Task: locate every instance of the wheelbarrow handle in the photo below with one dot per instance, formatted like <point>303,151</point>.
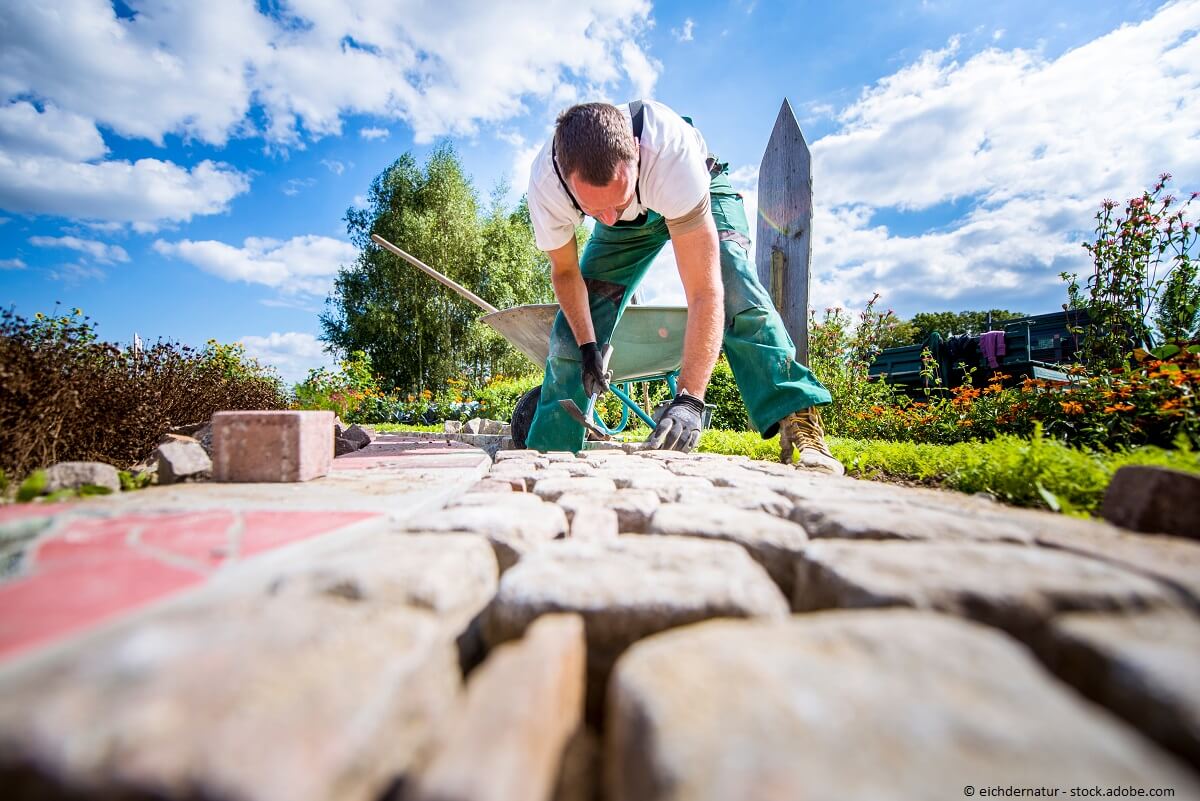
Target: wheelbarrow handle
<point>435,275</point>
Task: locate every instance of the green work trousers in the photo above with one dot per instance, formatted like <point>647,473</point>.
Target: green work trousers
<point>760,352</point>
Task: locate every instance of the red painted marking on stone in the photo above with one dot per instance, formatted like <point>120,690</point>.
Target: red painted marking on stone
<point>201,536</point>
<point>91,572</point>
<point>267,530</point>
<point>74,597</point>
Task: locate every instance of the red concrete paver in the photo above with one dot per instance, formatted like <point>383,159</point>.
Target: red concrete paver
<point>274,446</point>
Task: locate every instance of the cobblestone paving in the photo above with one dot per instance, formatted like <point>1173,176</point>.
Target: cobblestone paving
<point>630,626</point>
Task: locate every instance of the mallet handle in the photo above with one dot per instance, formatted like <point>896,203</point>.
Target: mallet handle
<point>435,275</point>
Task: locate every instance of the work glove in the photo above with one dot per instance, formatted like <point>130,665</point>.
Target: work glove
<point>679,427</point>
<point>595,377</point>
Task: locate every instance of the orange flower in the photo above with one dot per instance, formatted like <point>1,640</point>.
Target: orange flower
<point>1118,407</point>
<point>1174,403</point>
<point>1071,407</point>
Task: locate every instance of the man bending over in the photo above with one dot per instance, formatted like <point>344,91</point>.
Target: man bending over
<point>645,175</point>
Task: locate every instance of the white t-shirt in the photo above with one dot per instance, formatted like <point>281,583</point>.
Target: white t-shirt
<point>672,178</point>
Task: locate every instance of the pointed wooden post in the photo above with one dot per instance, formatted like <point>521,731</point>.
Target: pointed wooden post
<point>785,225</point>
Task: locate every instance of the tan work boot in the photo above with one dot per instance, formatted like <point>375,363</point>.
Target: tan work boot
<point>802,431</point>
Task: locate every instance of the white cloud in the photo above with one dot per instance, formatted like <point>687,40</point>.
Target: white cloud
<point>74,273</point>
<point>292,353</point>
<point>359,201</point>
<point>1028,146</point>
<point>222,69</point>
<point>196,69</point>
<point>335,167</point>
<point>374,133</point>
<point>146,193</point>
<point>51,132</point>
<point>522,165</point>
<point>12,264</point>
<point>301,265</point>
<point>101,252</point>
<point>684,33</point>
<point>641,69</point>
<point>295,186</point>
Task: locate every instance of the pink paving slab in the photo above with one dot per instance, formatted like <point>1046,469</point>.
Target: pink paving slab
<point>95,568</point>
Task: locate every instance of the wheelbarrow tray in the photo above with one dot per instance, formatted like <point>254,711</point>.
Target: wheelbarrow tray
<point>647,343</point>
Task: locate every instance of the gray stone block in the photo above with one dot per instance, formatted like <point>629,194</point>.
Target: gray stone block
<point>1013,587</point>
<point>73,475</point>
<point>772,542</point>
<point>181,460</point>
<point>1154,499</point>
<point>857,706</point>
<point>1142,667</point>
<point>628,589</point>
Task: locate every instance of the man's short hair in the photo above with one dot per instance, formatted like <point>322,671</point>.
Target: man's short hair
<point>591,140</point>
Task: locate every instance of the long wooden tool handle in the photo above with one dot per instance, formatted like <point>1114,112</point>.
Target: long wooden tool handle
<point>435,275</point>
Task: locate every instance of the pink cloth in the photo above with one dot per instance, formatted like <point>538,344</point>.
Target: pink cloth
<point>991,344</point>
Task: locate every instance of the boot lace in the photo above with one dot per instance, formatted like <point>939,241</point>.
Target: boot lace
<point>804,428</point>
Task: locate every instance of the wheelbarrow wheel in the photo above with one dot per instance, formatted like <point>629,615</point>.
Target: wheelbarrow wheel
<point>522,418</point>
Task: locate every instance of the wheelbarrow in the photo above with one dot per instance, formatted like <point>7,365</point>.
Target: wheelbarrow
<point>647,346</point>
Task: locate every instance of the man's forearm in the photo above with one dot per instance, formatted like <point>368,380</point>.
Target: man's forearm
<point>701,342</point>
<point>571,292</point>
<point>698,257</point>
<point>572,296</point>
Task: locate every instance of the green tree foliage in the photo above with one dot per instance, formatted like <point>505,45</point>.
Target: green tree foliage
<point>950,323</point>
<point>1178,314</point>
<point>417,333</point>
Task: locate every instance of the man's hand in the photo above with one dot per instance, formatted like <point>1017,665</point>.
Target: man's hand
<point>595,376</point>
<point>679,427</point>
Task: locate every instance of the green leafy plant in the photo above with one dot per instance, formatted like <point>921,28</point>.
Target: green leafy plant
<point>33,486</point>
<point>1143,260</point>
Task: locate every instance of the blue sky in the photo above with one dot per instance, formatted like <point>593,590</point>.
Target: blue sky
<point>182,170</point>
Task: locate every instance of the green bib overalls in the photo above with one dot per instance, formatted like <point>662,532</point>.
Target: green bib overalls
<point>760,352</point>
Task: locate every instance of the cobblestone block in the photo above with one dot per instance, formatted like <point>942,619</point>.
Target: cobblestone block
<point>492,500</point>
<point>559,456</point>
<point>180,460</point>
<point>73,475</point>
<point>633,508</point>
<point>1013,587</point>
<point>1143,667</point>
<point>667,486</point>
<point>494,485</point>
<point>551,489</point>
<point>753,498</point>
<point>272,446</point>
<point>815,707</point>
<point>453,576</point>
<point>526,455</point>
<point>628,589</point>
<point>840,518</point>
<point>774,543</point>
<point>1172,560</point>
<point>594,522</point>
<point>1154,499</point>
<point>181,706</point>
<point>511,535</point>
<point>523,705</point>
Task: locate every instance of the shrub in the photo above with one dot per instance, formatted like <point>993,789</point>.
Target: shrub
<point>64,395</point>
<point>1151,402</point>
<point>840,354</point>
<point>1142,260</point>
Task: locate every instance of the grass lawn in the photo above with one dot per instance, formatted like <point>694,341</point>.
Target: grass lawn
<point>1034,472</point>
